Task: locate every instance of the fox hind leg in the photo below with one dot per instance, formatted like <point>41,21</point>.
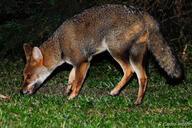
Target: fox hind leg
<point>136,61</point>
<point>142,78</point>
<point>80,73</point>
<point>128,72</point>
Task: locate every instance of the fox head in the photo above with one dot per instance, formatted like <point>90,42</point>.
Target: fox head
<point>34,72</point>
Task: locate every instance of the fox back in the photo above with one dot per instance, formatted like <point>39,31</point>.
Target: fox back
<point>125,32</point>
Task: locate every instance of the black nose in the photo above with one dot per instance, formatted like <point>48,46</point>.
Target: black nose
<point>21,91</point>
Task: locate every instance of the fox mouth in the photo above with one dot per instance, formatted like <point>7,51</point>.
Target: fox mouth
<point>30,90</point>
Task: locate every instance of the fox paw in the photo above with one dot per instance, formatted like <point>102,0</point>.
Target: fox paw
<point>137,102</point>
<point>114,92</point>
<point>72,95</point>
<point>68,91</point>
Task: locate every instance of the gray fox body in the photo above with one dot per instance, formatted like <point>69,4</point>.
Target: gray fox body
<point>125,32</point>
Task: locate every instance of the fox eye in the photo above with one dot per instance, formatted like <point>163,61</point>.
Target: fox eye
<point>28,76</point>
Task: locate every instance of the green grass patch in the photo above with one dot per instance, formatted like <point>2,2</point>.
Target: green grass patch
<point>163,104</point>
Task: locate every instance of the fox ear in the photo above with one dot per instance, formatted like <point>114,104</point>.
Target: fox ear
<point>37,55</point>
<point>28,50</point>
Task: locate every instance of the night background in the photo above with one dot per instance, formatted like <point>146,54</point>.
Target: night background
<point>33,21</point>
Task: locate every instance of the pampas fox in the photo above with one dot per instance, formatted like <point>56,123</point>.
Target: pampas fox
<point>125,32</point>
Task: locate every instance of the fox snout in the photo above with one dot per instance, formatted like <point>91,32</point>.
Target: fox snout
<point>29,89</point>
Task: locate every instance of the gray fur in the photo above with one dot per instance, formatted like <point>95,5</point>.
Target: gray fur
<point>109,22</point>
<point>160,49</point>
<point>164,55</point>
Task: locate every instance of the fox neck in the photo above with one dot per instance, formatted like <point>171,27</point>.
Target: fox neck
<point>52,54</point>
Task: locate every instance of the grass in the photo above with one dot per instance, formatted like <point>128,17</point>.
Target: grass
<point>163,104</point>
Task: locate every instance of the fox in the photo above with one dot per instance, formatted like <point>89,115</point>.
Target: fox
<point>126,32</point>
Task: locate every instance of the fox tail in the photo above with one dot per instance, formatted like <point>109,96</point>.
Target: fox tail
<point>160,49</point>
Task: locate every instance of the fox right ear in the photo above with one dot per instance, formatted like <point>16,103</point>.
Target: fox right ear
<point>28,50</point>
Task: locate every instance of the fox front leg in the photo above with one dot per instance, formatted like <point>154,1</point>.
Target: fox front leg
<point>70,81</point>
<point>80,74</point>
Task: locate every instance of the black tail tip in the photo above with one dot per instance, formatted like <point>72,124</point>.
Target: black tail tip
<point>177,76</point>
<point>179,72</point>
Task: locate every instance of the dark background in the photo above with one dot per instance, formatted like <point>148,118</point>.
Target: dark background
<point>33,21</point>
